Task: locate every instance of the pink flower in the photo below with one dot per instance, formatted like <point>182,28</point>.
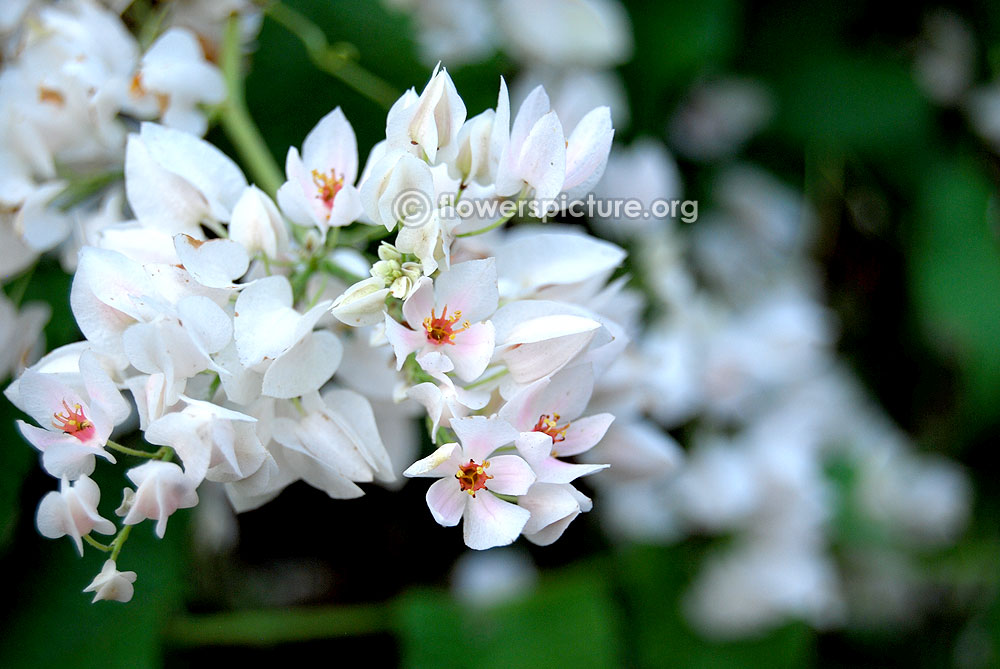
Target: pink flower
<point>471,476</point>
<point>445,320</point>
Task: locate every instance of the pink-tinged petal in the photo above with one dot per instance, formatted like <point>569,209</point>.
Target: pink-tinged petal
<point>42,396</point>
<point>523,409</point>
<point>511,475</point>
<point>446,501</point>
<point>548,503</point>
<point>535,447</point>
<point>472,350</point>
<point>557,471</point>
<point>469,287</point>
<point>404,341</point>
<point>418,305</point>
<point>490,521</point>
<point>480,436</point>
<point>332,144</point>
<point>584,433</point>
<point>442,462</point>
<point>566,394</point>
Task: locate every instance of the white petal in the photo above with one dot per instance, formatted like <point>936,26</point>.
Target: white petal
<point>305,367</point>
<point>447,501</point>
<point>469,287</point>
<point>480,436</point>
<point>215,263</point>
<point>489,522</point>
<point>511,475</point>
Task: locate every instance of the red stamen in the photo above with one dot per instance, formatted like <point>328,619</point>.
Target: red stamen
<point>74,422</point>
<point>442,330</point>
<point>472,477</point>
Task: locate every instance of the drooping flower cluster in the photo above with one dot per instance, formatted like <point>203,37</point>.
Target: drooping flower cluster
<point>223,315</point>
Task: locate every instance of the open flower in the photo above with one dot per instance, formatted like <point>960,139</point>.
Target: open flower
<point>445,320</point>
<point>74,428</point>
<point>470,474</point>
<point>320,188</point>
<point>546,413</point>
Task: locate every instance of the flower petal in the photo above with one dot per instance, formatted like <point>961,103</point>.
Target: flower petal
<point>490,521</point>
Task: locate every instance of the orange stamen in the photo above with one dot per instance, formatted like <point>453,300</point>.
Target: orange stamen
<point>441,330</point>
<point>472,477</point>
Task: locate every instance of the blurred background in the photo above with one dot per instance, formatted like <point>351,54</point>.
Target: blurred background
<point>836,308</point>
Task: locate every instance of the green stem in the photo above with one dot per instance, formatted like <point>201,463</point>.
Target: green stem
<point>236,120</point>
<point>496,224</point>
<point>132,451</point>
<point>273,626</point>
<point>120,539</point>
<point>333,269</point>
<point>492,377</point>
<point>331,60</point>
<point>96,544</point>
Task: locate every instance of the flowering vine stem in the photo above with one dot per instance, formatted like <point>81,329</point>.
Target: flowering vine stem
<point>236,120</point>
<point>336,60</point>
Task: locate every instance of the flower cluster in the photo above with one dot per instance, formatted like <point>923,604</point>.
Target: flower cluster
<point>223,316</point>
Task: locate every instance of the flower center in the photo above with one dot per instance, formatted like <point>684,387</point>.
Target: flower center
<point>472,477</point>
<point>549,424</point>
<point>74,422</point>
<point>327,187</point>
<point>441,330</point>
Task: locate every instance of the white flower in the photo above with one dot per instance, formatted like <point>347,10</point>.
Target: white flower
<point>469,474</point>
<point>211,441</point>
<point>75,429</point>
<point>174,180</point>
<point>427,123</point>
<point>397,188</point>
<point>276,340</point>
<point>161,489</point>
<point>72,511</point>
<point>257,225</point>
<point>335,443</point>
<point>320,189</point>
<point>174,79</point>
<point>111,584</point>
<point>451,320</point>
<point>546,413</point>
<point>475,153</point>
<point>595,33</point>
<point>718,117</point>
<point>535,155</point>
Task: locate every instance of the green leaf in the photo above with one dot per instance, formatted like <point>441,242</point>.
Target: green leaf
<point>954,275</point>
<point>568,621</point>
<point>654,580</point>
